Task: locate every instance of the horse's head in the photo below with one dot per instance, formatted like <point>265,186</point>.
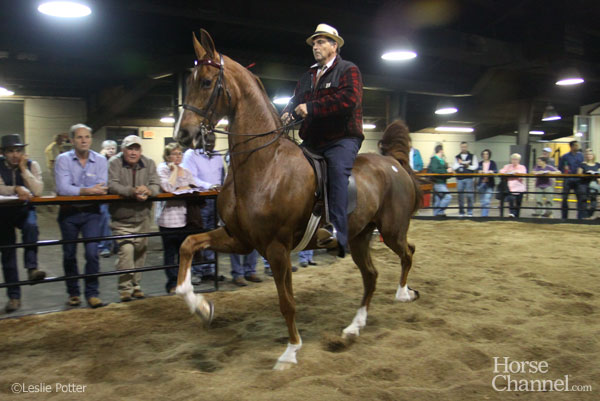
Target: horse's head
<point>207,99</point>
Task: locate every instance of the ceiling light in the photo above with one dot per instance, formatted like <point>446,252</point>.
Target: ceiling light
<point>454,129</point>
<point>64,9</point>
<point>569,81</point>
<point>550,114</point>
<point>369,126</point>
<point>5,92</point>
<point>167,120</point>
<point>579,134</point>
<point>399,55</point>
<point>223,122</point>
<point>282,100</point>
<point>536,132</point>
<point>446,110</point>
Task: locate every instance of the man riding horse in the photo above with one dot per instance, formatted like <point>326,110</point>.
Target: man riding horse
<point>329,99</point>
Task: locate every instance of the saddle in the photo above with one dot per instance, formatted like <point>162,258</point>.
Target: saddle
<point>321,207</point>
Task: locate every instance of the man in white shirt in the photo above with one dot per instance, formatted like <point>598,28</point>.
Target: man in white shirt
<point>465,163</point>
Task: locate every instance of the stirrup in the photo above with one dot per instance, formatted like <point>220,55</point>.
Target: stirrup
<point>327,237</point>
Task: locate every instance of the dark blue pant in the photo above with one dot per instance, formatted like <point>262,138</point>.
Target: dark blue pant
<point>340,156</point>
<point>171,244</point>
<point>243,265</point>
<point>514,202</point>
<point>568,185</point>
<point>105,230</point>
<point>88,224</point>
<point>26,220</point>
<point>208,223</point>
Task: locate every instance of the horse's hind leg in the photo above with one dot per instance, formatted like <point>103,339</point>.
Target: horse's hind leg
<point>361,255</point>
<point>395,238</point>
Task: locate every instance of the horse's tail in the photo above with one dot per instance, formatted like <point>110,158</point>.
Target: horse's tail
<point>396,143</point>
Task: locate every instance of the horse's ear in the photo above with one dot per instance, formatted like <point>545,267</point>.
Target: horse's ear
<point>200,52</point>
<point>207,43</point>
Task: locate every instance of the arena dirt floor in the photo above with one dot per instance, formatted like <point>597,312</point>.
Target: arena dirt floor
<point>496,289</point>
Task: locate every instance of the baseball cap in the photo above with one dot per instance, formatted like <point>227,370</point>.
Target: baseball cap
<point>549,150</point>
<point>131,140</point>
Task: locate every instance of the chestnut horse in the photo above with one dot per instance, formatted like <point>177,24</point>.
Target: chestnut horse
<point>268,196</point>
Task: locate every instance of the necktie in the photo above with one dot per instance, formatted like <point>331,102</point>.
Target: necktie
<point>320,73</point>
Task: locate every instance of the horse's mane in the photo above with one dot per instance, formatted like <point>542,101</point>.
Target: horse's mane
<point>395,143</point>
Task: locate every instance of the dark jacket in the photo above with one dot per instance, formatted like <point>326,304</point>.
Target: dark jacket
<point>491,182</point>
<point>334,106</point>
<point>437,166</point>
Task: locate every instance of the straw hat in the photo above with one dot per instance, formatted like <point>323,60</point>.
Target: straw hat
<point>328,31</point>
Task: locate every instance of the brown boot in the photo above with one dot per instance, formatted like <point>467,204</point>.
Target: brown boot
<point>35,274</point>
<point>12,305</point>
<point>139,294</point>
<point>240,282</point>
<point>95,302</point>
<point>74,301</point>
<point>253,277</point>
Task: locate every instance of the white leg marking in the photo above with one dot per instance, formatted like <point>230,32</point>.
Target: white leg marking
<point>359,321</point>
<point>288,358</point>
<point>405,294</point>
<point>195,302</point>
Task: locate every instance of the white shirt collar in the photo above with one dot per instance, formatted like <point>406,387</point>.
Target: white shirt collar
<point>327,66</point>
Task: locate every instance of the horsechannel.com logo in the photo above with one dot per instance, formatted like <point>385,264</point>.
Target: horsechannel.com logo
<point>508,376</point>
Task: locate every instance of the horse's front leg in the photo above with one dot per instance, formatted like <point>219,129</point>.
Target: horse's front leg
<point>217,240</point>
<point>279,259</point>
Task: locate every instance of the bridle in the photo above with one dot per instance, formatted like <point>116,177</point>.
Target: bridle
<point>209,111</point>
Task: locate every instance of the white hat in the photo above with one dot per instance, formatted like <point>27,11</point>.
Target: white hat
<point>131,140</point>
<point>326,30</point>
<point>549,150</point>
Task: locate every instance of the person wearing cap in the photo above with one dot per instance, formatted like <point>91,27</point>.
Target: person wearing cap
<point>52,151</point>
<point>22,177</point>
<point>81,172</point>
<point>328,97</point>
<point>131,175</point>
<point>547,153</point>
<point>106,247</point>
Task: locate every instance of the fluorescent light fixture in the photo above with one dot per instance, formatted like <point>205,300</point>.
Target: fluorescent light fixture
<point>446,110</point>
<point>282,100</point>
<point>454,129</point>
<point>369,126</point>
<point>550,114</point>
<point>536,132</point>
<point>222,122</point>
<point>5,92</point>
<point>167,120</point>
<point>399,55</point>
<point>579,134</point>
<point>64,9</point>
<point>570,81</point>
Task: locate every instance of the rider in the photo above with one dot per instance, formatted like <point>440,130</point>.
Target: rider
<point>329,99</point>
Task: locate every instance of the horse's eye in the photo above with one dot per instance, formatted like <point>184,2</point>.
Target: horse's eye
<point>206,83</point>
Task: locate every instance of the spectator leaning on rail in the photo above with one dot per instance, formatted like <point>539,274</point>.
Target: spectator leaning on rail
<point>414,158</point>
<point>544,186</point>
<point>329,99</point>
<point>171,216</point>
<point>516,185</point>
<point>441,198</point>
<point>547,152</point>
<point>465,163</point>
<point>131,175</point>
<point>21,177</point>
<point>568,164</point>
<point>53,150</point>
<point>81,171</point>
<point>106,247</point>
<point>486,184</point>
<point>589,187</point>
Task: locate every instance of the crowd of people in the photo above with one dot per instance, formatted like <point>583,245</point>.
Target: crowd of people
<point>512,189</point>
<point>80,171</point>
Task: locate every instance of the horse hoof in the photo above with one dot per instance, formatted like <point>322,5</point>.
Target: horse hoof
<point>207,315</point>
<point>352,333</point>
<point>406,294</point>
<point>283,365</point>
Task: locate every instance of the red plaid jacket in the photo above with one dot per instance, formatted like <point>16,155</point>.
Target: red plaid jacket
<point>334,107</point>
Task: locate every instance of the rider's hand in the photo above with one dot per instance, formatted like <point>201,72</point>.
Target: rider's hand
<point>301,110</point>
<point>286,118</point>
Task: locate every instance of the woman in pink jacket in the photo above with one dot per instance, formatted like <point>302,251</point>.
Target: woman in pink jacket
<point>516,185</point>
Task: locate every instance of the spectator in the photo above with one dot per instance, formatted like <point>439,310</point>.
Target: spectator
<point>106,247</point>
<point>244,267</point>
<point>171,216</point>
<point>547,152</point>
<point>208,169</point>
<point>52,151</point>
<point>442,197</point>
<point>544,186</point>
<point>569,164</point>
<point>486,184</point>
<point>516,185</point>
<point>465,163</point>
<point>589,187</point>
<point>22,177</point>
<point>81,171</point>
<point>414,158</point>
<point>306,257</point>
<point>131,175</point>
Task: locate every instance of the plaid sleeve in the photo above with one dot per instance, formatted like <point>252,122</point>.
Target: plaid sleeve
<point>343,101</point>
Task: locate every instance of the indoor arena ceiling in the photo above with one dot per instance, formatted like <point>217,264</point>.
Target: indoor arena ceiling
<point>497,60</point>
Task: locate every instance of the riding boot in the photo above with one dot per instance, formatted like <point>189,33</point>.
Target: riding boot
<point>327,237</point>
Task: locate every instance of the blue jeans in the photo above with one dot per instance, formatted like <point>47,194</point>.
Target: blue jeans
<point>243,268</point>
<point>208,223</point>
<point>441,199</point>
<point>171,244</point>
<point>340,156</point>
<point>73,222</point>
<point>514,200</point>
<point>105,229</point>
<point>25,219</point>
<point>568,185</point>
<point>486,197</point>
<point>462,186</point>
<point>305,256</point>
